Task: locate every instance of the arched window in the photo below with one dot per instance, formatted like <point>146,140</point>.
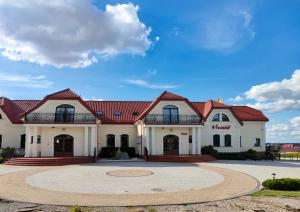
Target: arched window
<point>224,117</point>
<point>227,139</point>
<point>110,140</point>
<point>22,141</point>
<point>124,140</point>
<point>64,113</point>
<point>170,114</point>
<point>216,140</point>
<point>216,117</point>
<point>0,141</point>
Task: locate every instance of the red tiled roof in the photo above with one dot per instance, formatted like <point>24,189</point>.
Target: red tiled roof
<point>131,111</point>
<point>246,113</point>
<point>64,94</point>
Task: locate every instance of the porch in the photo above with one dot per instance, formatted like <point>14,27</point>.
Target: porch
<point>60,140</point>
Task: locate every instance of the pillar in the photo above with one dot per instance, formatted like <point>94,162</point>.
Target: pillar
<point>199,140</point>
<point>28,142</point>
<point>93,140</point>
<point>34,144</point>
<point>193,140</point>
<point>86,141</point>
<point>147,139</point>
<point>153,152</point>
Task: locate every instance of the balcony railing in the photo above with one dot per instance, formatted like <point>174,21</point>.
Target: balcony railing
<point>68,118</point>
<point>161,119</point>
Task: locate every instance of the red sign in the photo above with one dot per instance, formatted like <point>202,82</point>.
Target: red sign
<point>218,127</point>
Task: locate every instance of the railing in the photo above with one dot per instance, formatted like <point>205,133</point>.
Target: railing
<point>72,118</point>
<point>160,119</point>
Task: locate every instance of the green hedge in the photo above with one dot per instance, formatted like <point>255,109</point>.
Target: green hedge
<point>284,184</point>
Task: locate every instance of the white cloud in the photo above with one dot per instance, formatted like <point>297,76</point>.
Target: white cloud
<point>152,72</point>
<point>93,98</point>
<point>69,33</point>
<point>40,81</point>
<point>225,29</point>
<point>143,83</point>
<point>236,99</point>
<point>285,132</point>
<point>295,122</point>
<point>277,96</point>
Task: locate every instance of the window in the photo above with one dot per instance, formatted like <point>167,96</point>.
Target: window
<point>124,140</point>
<point>240,141</point>
<point>216,141</point>
<point>257,142</point>
<point>190,139</point>
<point>224,117</point>
<point>0,141</point>
<point>100,113</point>
<point>0,116</point>
<point>64,113</point>
<point>22,141</point>
<point>135,113</point>
<point>117,113</point>
<point>31,140</point>
<point>216,117</point>
<point>110,140</point>
<point>170,114</point>
<point>227,139</point>
<point>38,139</point>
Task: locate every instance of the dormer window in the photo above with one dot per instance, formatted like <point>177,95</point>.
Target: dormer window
<point>117,113</point>
<point>170,114</point>
<point>100,113</point>
<point>220,117</point>
<point>216,117</point>
<point>64,113</point>
<point>224,117</point>
<point>135,113</point>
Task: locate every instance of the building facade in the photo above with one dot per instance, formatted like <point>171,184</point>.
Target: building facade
<point>63,124</point>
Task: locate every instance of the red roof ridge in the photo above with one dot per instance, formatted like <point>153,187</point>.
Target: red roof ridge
<point>63,94</point>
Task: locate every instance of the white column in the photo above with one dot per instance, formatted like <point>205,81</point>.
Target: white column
<point>153,140</point>
<point>193,141</point>
<point>93,140</point>
<point>86,141</point>
<point>147,139</point>
<point>28,141</point>
<point>34,144</point>
<point>199,140</point>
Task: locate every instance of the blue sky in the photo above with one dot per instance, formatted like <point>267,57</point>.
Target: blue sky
<point>135,50</point>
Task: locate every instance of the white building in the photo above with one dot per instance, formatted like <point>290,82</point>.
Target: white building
<point>62,124</point>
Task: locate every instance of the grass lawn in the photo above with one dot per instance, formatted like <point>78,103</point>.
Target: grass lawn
<point>274,193</point>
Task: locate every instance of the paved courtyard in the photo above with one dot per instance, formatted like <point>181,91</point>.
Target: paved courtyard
<point>124,184</point>
<point>138,183</point>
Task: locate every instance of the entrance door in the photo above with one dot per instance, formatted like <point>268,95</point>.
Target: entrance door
<point>63,146</point>
<point>171,145</point>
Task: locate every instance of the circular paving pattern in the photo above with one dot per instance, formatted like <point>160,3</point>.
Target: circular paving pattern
<point>129,173</point>
<point>89,185</point>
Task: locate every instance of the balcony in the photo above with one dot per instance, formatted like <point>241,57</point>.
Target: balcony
<point>160,119</point>
<point>59,118</point>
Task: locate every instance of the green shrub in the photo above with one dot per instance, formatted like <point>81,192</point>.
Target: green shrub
<point>209,150</point>
<point>284,184</point>
<point>8,153</point>
<point>76,209</point>
<point>2,160</point>
<point>252,154</point>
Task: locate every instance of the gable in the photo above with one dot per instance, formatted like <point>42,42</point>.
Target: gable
<point>227,112</point>
<point>183,107</point>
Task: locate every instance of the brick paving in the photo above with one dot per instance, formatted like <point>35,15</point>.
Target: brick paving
<point>13,186</point>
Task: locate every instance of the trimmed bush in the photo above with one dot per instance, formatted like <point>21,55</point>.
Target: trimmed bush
<point>252,155</point>
<point>284,184</point>
<point>8,153</point>
<point>110,152</point>
<point>2,160</point>
<point>76,209</point>
<point>209,150</point>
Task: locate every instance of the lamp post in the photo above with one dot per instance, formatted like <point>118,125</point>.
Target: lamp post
<point>274,174</point>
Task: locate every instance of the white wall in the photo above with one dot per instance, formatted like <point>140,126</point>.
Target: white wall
<point>250,131</point>
<point>117,130</point>
<point>11,133</point>
<point>183,108</point>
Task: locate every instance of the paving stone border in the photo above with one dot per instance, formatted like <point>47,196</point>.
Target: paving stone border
<point>14,187</point>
